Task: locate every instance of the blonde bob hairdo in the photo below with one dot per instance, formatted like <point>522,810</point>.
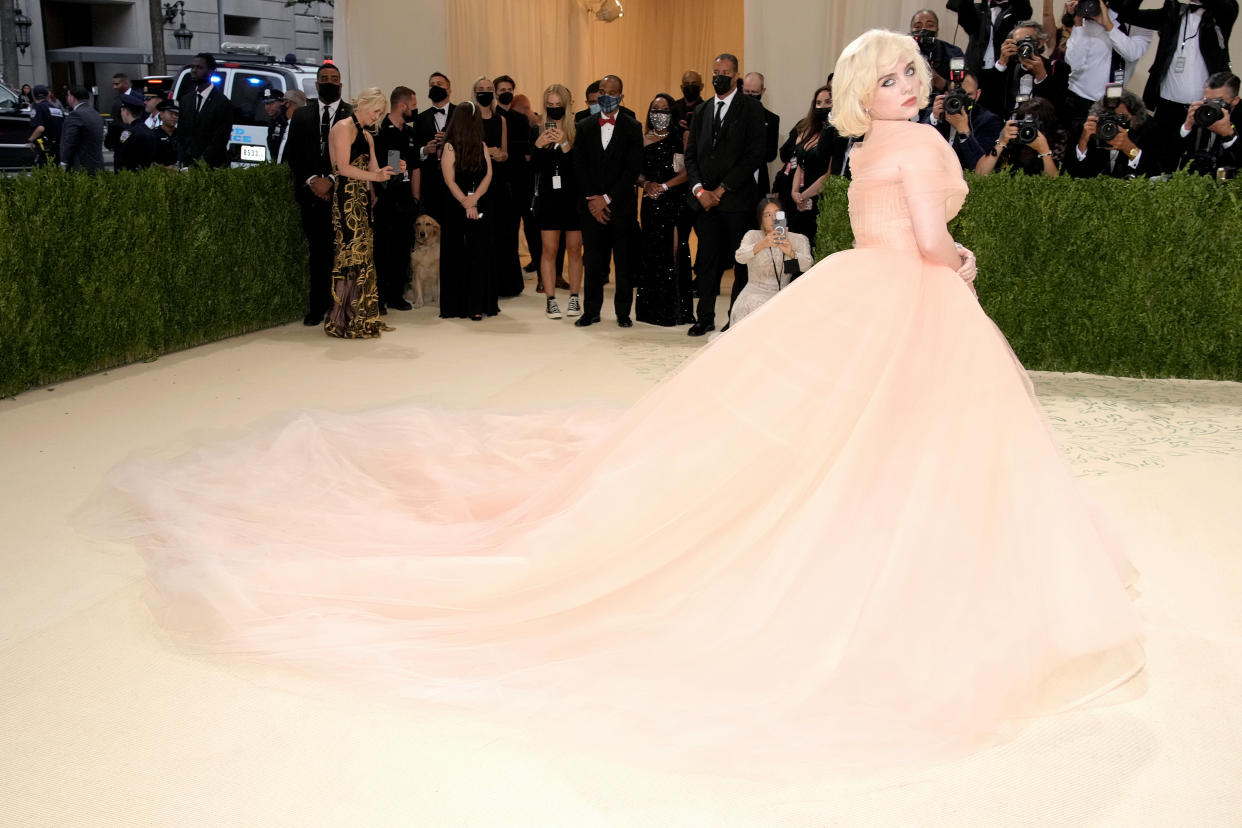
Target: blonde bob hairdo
<point>858,72</point>
<point>374,98</point>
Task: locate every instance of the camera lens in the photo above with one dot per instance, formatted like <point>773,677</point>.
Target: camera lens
<point>1208,114</point>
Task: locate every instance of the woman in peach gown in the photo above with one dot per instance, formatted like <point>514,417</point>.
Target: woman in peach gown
<point>840,537</point>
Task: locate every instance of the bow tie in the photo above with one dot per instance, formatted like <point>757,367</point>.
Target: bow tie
<point>440,111</point>
<point>607,119</point>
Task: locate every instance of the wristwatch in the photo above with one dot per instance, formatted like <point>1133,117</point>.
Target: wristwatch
<point>1134,153</point>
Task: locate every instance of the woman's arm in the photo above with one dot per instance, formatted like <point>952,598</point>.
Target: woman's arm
<point>448,167</point>
<point>503,153</point>
<point>922,181</point>
<point>802,251</point>
<point>487,177</point>
<point>339,141</point>
<point>795,190</point>
<point>816,187</point>
<point>753,242</point>
<point>679,168</point>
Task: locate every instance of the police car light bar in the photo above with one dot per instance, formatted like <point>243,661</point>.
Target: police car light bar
<point>246,48</point>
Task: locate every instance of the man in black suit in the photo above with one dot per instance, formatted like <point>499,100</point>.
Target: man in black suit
<point>725,148</point>
<point>925,28</point>
<point>82,137</point>
<point>608,157</point>
<point>691,98</point>
<point>754,85</point>
<point>431,125</point>
<point>592,105</point>
<point>1016,72</point>
<point>989,23</point>
<point>1194,43</point>
<point>972,132</point>
<point>306,150</point>
<point>1122,156</point>
<point>120,86</point>
<point>1205,149</point>
<point>206,117</point>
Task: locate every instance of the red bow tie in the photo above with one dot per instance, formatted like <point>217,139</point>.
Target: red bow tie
<point>605,119</point>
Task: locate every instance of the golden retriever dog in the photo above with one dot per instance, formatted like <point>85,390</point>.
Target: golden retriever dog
<point>424,288</point>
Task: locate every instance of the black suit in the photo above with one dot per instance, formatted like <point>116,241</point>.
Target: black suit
<point>771,146</point>
<point>1102,160</point>
<point>1000,88</point>
<point>976,19</point>
<point>433,191</point>
<point>611,172</point>
<point>81,140</point>
<point>308,157</point>
<point>1203,151</point>
<point>728,159</point>
<point>583,114</point>
<point>205,133</point>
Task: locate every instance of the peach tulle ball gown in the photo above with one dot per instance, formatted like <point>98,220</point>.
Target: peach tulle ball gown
<point>840,537</point>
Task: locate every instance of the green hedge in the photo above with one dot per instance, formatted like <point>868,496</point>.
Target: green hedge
<point>1129,278</point>
<point>105,270</point>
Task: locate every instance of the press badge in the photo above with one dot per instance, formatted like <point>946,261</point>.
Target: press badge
<point>556,182</point>
<point>1179,65</point>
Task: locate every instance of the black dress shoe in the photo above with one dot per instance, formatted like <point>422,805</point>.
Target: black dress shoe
<point>625,322</point>
<point>312,319</point>
<point>400,304</point>
<point>699,328</point>
<point>726,327</point>
<point>584,321</point>
<point>530,268</point>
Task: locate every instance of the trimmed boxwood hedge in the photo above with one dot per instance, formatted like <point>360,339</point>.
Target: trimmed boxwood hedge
<point>105,270</point>
<point>1130,278</point>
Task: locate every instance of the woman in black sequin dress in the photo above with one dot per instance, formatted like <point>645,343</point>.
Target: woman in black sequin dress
<point>664,286</point>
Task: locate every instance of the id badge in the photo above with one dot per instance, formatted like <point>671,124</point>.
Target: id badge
<point>556,182</point>
<point>1179,65</point>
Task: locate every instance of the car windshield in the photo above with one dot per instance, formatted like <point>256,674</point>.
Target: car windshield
<point>8,99</point>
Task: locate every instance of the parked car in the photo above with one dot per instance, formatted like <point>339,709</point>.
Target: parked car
<point>15,129</point>
<point>242,76</point>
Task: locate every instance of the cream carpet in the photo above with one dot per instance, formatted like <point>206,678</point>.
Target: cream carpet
<point>103,722</point>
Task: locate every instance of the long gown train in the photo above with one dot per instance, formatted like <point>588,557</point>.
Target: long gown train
<point>840,536</point>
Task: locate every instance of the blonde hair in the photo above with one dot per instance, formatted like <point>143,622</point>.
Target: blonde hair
<point>567,101</point>
<point>857,75</point>
<point>372,98</point>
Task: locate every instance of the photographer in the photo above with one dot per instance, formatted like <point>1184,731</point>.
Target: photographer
<point>1099,47</point>
<point>968,127</point>
<point>1209,136</point>
<point>925,29</point>
<point>989,23</point>
<point>1113,138</point>
<point>1023,145</point>
<point>1022,70</point>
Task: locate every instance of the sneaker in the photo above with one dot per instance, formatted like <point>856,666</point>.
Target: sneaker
<point>575,306</point>
<point>554,310</point>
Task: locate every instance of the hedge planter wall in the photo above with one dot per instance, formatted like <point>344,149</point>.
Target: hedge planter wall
<point>1130,278</point>
<point>100,271</point>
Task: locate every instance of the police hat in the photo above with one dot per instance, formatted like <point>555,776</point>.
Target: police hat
<point>132,98</point>
<point>166,105</point>
<point>155,93</point>
<point>40,91</point>
<point>271,95</point>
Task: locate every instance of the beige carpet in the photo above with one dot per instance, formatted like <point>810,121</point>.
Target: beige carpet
<point>102,722</point>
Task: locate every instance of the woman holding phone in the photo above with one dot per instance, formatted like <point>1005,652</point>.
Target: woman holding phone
<point>555,205</point>
<point>355,296</point>
<point>772,255</point>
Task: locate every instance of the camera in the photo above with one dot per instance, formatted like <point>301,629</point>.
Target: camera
<point>1209,112</point>
<point>1087,9</point>
<point>956,101</point>
<point>1028,48</point>
<point>925,39</point>
<point>1028,130</point>
<point>1110,125</point>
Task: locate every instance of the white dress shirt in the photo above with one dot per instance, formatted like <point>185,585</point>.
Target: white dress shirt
<point>989,52</point>
<point>1089,54</point>
<point>1187,85</point>
<point>727,100</point>
<point>332,108</point>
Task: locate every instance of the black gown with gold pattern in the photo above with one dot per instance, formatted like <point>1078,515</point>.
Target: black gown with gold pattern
<point>355,296</point>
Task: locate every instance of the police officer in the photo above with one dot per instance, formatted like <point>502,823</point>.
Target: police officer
<point>47,122</point>
<point>152,97</point>
<point>166,136</point>
<point>277,121</point>
<point>136,145</point>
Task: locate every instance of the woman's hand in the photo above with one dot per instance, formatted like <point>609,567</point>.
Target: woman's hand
<point>767,241</point>
<point>653,189</point>
<point>1009,133</point>
<point>470,202</point>
<point>472,212</point>
<point>383,174</point>
<point>785,246</point>
<point>968,271</point>
<point>1040,144</point>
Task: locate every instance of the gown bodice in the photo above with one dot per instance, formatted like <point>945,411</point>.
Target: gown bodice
<point>885,178</point>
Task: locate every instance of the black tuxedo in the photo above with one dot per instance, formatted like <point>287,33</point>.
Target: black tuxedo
<point>611,172</point>
<point>205,133</point>
<point>728,159</point>
<point>1203,151</point>
<point>1000,89</point>
<point>308,157</point>
<point>1218,19</point>
<point>976,19</point>
<point>583,114</point>
<point>1101,160</point>
<point>432,187</point>
<point>771,146</point>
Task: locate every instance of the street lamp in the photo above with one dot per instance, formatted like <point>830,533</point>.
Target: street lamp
<point>183,36</point>
<point>22,25</point>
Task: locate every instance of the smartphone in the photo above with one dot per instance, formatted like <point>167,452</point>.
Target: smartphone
<point>394,159</point>
<point>779,225</point>
<point>549,126</point>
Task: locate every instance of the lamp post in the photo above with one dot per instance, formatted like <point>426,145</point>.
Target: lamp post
<point>21,26</point>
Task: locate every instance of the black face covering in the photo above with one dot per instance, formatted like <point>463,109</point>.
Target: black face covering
<point>505,98</point>
<point>484,98</point>
<point>438,94</point>
<point>555,113</point>
<point>691,91</point>
<point>723,84</point>
<point>821,112</point>
<point>329,92</point>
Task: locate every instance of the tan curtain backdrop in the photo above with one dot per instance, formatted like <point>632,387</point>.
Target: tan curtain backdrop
<point>539,42</point>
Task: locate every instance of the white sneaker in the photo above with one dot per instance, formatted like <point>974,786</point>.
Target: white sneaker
<point>554,310</point>
<point>575,306</point>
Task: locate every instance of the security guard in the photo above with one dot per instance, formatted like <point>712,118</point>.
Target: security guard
<point>166,135</point>
<point>136,145</point>
<point>48,121</point>
<point>277,121</point>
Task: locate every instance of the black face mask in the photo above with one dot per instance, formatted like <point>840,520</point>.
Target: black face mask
<point>555,113</point>
<point>329,92</point>
<point>438,94</point>
<point>484,98</point>
<point>758,96</point>
<point>822,111</point>
<point>723,84</point>
<point>691,91</point>
<point>505,98</point>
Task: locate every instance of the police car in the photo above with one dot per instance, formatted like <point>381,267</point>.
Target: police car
<point>14,130</point>
<point>243,71</point>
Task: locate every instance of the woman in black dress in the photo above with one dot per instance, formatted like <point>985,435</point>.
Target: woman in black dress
<point>509,279</point>
<point>467,275</point>
<point>817,155</point>
<point>556,207</point>
<point>664,296</point>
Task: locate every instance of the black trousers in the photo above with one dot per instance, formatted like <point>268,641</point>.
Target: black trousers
<point>719,233</point>
<point>394,239</point>
<point>617,240</point>
<point>320,238</point>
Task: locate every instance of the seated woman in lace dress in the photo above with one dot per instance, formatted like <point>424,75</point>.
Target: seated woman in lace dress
<point>769,260</point>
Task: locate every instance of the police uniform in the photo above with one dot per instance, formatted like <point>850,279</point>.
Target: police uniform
<point>136,145</point>
<point>395,211</point>
<point>277,127</point>
<point>52,119</point>
<point>165,143</point>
